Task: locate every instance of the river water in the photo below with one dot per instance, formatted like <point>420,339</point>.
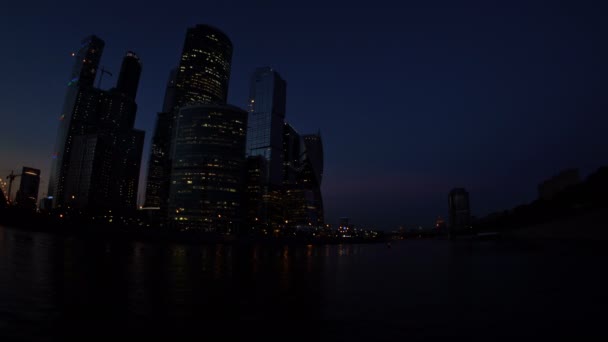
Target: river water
<point>52,285</point>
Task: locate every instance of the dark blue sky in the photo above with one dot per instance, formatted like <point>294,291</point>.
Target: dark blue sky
<point>411,99</point>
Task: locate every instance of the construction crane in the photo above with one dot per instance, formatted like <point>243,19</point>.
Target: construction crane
<point>10,178</point>
<point>103,71</point>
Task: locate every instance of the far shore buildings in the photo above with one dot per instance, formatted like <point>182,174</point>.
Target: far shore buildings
<point>27,195</point>
<point>558,183</point>
<point>459,211</point>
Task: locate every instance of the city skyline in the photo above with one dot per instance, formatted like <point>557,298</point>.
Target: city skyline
<point>401,170</point>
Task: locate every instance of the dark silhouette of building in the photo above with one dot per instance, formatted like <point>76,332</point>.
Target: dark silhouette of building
<point>558,183</point>
<point>208,167</point>
<point>128,79</point>
<point>3,200</point>
<point>99,168</point>
<point>77,114</point>
<point>27,195</point>
<point>158,162</point>
<point>302,176</point>
<point>440,225</point>
<point>202,77</point>
<point>311,177</point>
<point>460,212</point>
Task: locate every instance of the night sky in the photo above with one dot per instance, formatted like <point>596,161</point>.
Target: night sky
<point>411,99</point>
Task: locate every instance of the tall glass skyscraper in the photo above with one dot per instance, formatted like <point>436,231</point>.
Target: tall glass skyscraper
<point>207,174</point>
<point>204,69</point>
<point>266,118</point>
<point>77,114</point>
<point>96,166</point>
<point>202,77</point>
<point>157,186</point>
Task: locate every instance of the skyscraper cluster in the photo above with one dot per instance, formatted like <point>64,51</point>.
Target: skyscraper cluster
<point>285,168</point>
<point>213,167</point>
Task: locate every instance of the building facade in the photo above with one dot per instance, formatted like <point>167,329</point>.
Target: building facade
<point>267,101</point>
<point>27,195</point>
<point>208,169</point>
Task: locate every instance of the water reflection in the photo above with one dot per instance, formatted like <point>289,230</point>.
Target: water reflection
<point>54,283</point>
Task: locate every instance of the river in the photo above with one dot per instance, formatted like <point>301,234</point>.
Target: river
<point>52,285</point>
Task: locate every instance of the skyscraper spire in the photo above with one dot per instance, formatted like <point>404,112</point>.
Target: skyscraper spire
<point>130,71</point>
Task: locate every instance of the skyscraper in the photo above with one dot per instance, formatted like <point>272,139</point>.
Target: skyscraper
<point>311,178</point>
<point>99,169</point>
<point>207,173</point>
<point>460,212</point>
<point>204,70</point>
<point>266,117</point>
<point>302,177</point>
<point>157,185</point>
<point>77,114</point>
<point>202,77</point>
<point>128,79</point>
<point>27,195</point>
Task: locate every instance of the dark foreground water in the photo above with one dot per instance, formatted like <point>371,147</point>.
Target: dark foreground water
<point>51,286</point>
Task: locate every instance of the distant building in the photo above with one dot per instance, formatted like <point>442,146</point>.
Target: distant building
<point>45,204</point>
<point>440,225</point>
<point>208,167</point>
<point>312,176</point>
<point>344,226</point>
<point>27,195</point>
<point>548,189</point>
<point>3,201</point>
<point>460,212</point>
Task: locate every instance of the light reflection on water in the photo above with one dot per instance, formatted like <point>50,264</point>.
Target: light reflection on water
<point>51,281</point>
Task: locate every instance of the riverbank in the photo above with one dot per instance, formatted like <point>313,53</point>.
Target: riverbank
<point>591,226</point>
<point>114,232</point>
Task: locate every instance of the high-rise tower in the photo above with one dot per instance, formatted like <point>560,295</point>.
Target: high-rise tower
<point>202,77</point>
<point>204,69</point>
<point>266,118</point>
<point>130,71</point>
<point>207,174</point>
<point>96,166</point>
<point>77,114</point>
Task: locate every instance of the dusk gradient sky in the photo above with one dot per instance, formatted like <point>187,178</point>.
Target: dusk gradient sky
<point>411,98</point>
